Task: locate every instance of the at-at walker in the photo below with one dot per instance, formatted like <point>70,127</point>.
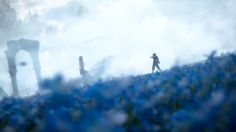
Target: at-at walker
<point>13,47</point>
<point>32,47</point>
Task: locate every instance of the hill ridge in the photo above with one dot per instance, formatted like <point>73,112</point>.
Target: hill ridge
<point>199,97</point>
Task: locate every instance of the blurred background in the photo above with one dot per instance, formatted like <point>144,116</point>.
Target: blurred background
<point>125,31</point>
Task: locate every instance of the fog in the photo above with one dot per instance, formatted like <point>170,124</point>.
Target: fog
<point>129,31</point>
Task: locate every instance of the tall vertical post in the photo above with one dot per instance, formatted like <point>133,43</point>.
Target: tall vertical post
<point>81,65</point>
<point>86,77</point>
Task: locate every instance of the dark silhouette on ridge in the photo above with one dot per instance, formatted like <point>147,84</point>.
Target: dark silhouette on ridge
<point>156,62</point>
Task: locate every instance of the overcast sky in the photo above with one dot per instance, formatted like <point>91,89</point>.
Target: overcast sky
<point>128,31</point>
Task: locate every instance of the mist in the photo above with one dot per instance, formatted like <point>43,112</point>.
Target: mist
<point>179,31</point>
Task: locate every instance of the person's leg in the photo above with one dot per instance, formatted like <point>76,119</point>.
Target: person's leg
<point>153,68</point>
<point>158,67</point>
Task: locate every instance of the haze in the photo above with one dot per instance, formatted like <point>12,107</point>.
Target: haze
<point>128,31</point>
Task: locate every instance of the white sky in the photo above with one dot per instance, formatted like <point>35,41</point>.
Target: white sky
<point>179,31</point>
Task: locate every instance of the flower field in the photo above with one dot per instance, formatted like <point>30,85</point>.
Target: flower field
<point>197,97</point>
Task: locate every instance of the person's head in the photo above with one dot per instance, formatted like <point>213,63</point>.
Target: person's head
<point>154,54</point>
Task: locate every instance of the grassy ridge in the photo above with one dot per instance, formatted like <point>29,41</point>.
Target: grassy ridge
<point>199,97</point>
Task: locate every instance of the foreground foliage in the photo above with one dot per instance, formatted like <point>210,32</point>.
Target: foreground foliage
<point>198,97</point>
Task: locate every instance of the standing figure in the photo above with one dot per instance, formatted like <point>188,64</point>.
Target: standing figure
<point>156,62</point>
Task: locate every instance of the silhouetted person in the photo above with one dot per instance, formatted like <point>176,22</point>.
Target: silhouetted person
<point>156,62</point>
